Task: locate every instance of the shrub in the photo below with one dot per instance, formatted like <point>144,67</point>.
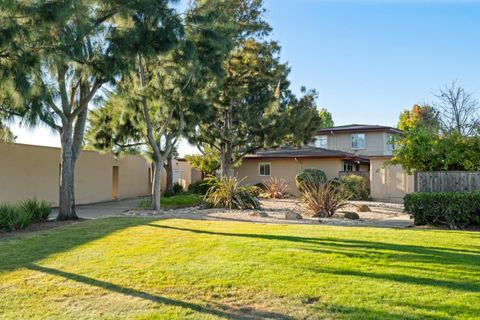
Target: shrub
<point>452,209</point>
<point>13,218</point>
<point>38,210</point>
<point>323,200</point>
<point>316,177</point>
<point>228,193</point>
<point>275,188</point>
<point>200,187</point>
<point>355,187</point>
<point>178,188</point>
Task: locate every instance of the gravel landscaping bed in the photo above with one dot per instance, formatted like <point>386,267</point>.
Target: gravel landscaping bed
<point>280,211</point>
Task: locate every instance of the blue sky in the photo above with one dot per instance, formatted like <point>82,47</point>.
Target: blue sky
<point>368,60</point>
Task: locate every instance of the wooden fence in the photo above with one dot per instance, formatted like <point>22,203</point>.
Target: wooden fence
<point>447,181</point>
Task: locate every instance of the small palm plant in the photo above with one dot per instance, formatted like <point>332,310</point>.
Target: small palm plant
<point>230,194</point>
<point>275,187</point>
<point>325,199</point>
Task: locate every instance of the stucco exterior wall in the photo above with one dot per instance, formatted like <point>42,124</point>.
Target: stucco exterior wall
<point>287,169</point>
<point>389,183</point>
<point>33,171</point>
<point>376,143</point>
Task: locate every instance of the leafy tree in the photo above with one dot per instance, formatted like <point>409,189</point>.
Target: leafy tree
<point>420,116</point>
<point>424,150</point>
<point>253,107</point>
<point>326,118</point>
<point>208,162</point>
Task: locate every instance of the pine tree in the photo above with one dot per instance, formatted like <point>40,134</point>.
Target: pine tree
<point>73,48</point>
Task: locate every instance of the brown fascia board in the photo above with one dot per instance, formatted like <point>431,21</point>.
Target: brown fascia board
<point>383,129</point>
<point>341,157</point>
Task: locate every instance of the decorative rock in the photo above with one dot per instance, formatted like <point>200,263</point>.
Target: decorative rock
<point>261,214</point>
<point>290,215</point>
<point>363,208</point>
<point>351,215</point>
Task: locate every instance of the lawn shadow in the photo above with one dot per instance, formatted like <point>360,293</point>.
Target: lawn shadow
<point>347,243</point>
<point>402,278</point>
<point>468,259</point>
<point>18,251</point>
<point>221,310</point>
<point>354,313</point>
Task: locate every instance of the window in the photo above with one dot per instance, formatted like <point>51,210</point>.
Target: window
<point>358,141</point>
<point>349,166</point>
<point>321,142</point>
<point>391,142</point>
<point>264,169</point>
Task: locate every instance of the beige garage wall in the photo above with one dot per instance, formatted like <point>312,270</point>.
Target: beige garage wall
<point>287,169</point>
<point>185,174</point>
<point>33,171</point>
<point>389,183</point>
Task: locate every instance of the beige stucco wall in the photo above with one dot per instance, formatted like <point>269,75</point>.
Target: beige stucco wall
<point>375,143</point>
<point>33,171</point>
<point>287,169</point>
<point>389,183</point>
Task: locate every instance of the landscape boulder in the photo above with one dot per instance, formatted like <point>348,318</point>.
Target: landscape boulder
<point>261,214</point>
<point>290,215</point>
<point>363,208</point>
<point>351,215</point>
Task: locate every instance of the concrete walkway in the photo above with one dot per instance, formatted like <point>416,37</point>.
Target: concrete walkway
<point>104,209</point>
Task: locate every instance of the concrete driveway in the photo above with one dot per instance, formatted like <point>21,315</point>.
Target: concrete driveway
<point>104,209</point>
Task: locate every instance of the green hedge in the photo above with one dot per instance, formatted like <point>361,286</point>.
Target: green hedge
<point>455,210</point>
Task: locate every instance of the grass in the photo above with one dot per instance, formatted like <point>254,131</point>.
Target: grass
<point>173,202</point>
<point>182,269</point>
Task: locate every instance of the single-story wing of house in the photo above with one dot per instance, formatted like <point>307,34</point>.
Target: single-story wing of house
<point>286,163</point>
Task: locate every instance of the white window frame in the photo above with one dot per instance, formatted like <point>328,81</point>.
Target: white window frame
<point>391,142</point>
<point>364,141</point>
<point>260,164</point>
<point>321,141</point>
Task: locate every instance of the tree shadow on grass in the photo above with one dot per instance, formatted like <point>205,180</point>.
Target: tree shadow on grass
<point>221,311</point>
<point>419,253</point>
<point>17,251</point>
<point>402,278</point>
<point>352,312</point>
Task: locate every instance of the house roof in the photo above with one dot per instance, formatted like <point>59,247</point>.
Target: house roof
<point>305,152</point>
<point>359,128</point>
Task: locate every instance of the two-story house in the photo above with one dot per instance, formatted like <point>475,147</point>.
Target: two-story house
<point>350,149</point>
<point>360,139</point>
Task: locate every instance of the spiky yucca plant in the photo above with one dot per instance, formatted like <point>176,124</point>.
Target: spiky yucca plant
<point>230,194</point>
<point>323,200</point>
<point>275,187</point>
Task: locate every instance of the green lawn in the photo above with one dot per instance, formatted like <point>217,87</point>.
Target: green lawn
<point>173,202</point>
<point>168,269</point>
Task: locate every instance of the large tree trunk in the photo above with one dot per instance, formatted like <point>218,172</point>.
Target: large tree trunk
<point>226,162</point>
<point>169,175</point>
<point>66,208</point>
<point>156,186</point>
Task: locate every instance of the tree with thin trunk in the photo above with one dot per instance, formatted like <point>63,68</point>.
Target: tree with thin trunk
<point>75,47</point>
<point>163,91</point>
<point>459,110</point>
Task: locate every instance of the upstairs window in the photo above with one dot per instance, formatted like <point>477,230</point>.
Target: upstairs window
<point>264,169</point>
<point>321,142</point>
<point>391,142</point>
<point>358,141</point>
